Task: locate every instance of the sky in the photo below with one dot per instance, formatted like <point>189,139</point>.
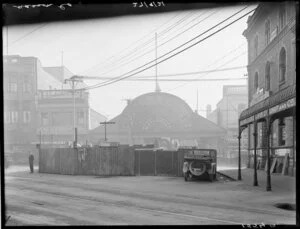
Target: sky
<point>112,47</point>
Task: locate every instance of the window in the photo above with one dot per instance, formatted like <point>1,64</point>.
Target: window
<point>267,76</point>
<point>44,119</point>
<point>26,87</point>
<point>7,115</point>
<point>282,17</point>
<point>267,32</point>
<point>256,46</point>
<point>282,65</point>
<point>255,82</point>
<point>12,87</point>
<point>14,116</point>
<point>281,132</point>
<point>26,116</point>
<point>26,84</point>
<point>80,118</point>
<point>62,118</point>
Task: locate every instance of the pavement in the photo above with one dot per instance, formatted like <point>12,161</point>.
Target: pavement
<point>283,187</point>
<point>51,199</point>
<point>279,183</point>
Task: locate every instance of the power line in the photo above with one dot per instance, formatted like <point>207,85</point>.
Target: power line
<point>130,60</point>
<point>174,74</point>
<point>120,78</point>
<point>217,69</point>
<point>144,45</point>
<point>188,28</point>
<point>190,80</point>
<point>135,43</point>
<point>27,34</point>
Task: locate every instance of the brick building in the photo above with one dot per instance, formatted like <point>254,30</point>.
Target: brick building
<point>270,119</point>
<point>226,115</point>
<point>37,101</point>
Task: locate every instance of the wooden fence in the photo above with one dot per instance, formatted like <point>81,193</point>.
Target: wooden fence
<point>158,162</point>
<point>113,161</point>
<point>118,160</point>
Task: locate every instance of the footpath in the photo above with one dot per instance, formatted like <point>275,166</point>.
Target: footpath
<point>283,188</point>
<point>279,183</point>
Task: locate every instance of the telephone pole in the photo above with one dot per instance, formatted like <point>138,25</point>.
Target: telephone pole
<point>157,89</point>
<point>73,80</point>
<point>105,123</point>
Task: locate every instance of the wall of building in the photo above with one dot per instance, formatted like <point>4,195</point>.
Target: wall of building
<point>95,118</point>
<point>56,115</point>
<point>226,115</point>
<point>19,81</point>
<point>270,52</point>
<point>29,91</point>
<point>282,132</point>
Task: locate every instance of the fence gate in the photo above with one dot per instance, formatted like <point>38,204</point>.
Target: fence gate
<point>158,162</point>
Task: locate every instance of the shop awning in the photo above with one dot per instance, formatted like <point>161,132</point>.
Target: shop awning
<point>277,102</point>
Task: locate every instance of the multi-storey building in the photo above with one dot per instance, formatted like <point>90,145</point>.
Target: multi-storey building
<point>39,105</point>
<point>23,76</point>
<point>270,118</point>
<point>226,115</point>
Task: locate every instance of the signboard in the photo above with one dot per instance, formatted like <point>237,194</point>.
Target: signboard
<point>282,152</point>
<point>283,106</point>
<point>261,114</point>
<point>59,94</point>
<point>247,120</point>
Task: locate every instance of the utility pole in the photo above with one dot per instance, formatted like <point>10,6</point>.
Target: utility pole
<point>7,40</point>
<point>105,123</point>
<point>62,58</point>
<point>157,89</point>
<point>197,102</point>
<point>73,80</point>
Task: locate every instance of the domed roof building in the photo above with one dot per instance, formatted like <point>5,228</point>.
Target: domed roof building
<point>158,118</point>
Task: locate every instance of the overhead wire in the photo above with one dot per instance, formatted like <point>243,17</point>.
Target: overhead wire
<point>121,77</point>
<point>141,45</point>
<point>124,75</point>
<point>231,60</point>
<point>138,57</point>
<point>26,35</point>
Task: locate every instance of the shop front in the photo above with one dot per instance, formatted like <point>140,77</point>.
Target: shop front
<point>271,125</point>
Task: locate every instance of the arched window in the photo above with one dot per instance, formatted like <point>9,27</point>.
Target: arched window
<point>255,81</point>
<point>267,32</point>
<point>256,46</point>
<point>282,65</point>
<point>282,17</point>
<point>267,76</point>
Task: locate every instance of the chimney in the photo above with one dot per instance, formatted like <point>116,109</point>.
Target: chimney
<point>208,110</point>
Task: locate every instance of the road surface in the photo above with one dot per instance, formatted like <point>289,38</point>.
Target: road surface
<point>49,199</point>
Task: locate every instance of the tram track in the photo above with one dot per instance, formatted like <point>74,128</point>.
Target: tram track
<point>178,199</point>
<point>127,205</point>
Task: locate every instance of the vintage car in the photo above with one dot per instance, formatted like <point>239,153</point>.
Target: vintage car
<point>200,163</point>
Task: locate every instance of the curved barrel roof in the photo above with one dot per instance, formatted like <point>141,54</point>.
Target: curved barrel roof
<point>161,114</point>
